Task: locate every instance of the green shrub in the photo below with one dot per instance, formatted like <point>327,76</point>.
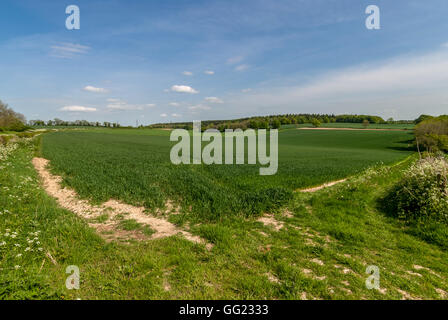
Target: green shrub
<point>18,126</point>
<point>422,195</point>
<point>432,134</point>
<point>316,123</point>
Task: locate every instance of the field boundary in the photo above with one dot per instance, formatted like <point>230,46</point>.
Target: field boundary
<point>335,182</point>
<point>322,186</point>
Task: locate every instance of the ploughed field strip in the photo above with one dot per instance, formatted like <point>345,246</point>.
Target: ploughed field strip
<point>68,199</point>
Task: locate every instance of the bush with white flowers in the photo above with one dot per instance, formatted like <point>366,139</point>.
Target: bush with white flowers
<point>423,193</point>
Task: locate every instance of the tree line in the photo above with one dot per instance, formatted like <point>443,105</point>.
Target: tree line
<point>77,123</point>
<point>276,121</point>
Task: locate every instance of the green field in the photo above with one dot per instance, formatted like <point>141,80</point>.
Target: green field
<point>321,250</point>
<point>134,166</point>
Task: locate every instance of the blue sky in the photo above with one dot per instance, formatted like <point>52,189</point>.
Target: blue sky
<point>175,60</point>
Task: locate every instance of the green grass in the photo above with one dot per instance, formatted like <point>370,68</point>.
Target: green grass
<point>131,225</point>
<point>341,226</point>
<point>136,168</point>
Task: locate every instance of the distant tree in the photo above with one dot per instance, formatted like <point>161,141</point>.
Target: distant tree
<point>264,124</point>
<point>432,134</point>
<point>285,120</point>
<point>422,118</point>
<point>365,123</point>
<point>316,123</point>
<point>301,120</point>
<point>276,124</point>
<point>58,122</point>
<point>11,120</point>
<point>253,124</point>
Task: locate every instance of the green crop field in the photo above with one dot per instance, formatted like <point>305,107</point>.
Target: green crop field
<point>134,166</point>
<point>318,248</point>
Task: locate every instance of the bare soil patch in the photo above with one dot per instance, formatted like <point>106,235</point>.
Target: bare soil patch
<point>69,200</point>
<point>270,221</point>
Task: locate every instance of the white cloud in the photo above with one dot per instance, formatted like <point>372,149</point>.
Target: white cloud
<point>242,67</point>
<point>94,89</point>
<point>174,104</point>
<point>246,90</point>
<point>183,89</point>
<point>151,105</point>
<point>176,115</point>
<point>199,107</point>
<point>120,105</point>
<point>77,109</point>
<point>445,45</point>
<point>164,115</point>
<point>209,72</point>
<point>213,100</point>
<point>187,73</point>
<point>68,50</point>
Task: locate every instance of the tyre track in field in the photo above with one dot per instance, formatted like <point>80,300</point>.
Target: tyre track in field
<point>69,200</point>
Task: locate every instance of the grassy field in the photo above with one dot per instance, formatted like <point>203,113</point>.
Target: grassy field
<point>319,250</point>
<point>135,167</point>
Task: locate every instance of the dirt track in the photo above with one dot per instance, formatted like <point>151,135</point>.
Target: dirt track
<point>69,200</point>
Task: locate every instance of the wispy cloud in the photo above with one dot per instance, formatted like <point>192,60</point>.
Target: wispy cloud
<point>94,89</point>
<point>199,107</point>
<point>77,109</point>
<point>176,115</point>
<point>174,104</point>
<point>213,100</point>
<point>164,115</point>
<point>187,73</point>
<point>209,72</point>
<point>183,89</point>
<point>120,105</point>
<point>241,67</point>
<point>68,50</point>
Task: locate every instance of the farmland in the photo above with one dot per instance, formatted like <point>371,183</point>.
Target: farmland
<point>136,168</point>
<point>313,246</point>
